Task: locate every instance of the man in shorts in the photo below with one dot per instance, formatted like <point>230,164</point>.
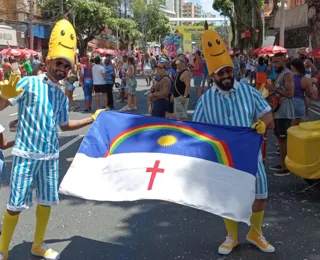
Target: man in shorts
<point>99,82</point>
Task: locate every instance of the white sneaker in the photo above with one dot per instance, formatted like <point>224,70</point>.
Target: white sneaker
<point>45,252</point>
<point>227,246</point>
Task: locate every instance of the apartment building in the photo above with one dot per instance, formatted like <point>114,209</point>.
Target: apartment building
<point>15,25</point>
<point>191,10</point>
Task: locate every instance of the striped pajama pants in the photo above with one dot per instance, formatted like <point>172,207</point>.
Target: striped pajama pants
<point>27,173</point>
<point>261,180</point>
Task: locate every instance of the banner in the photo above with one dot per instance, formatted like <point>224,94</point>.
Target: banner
<point>127,157</point>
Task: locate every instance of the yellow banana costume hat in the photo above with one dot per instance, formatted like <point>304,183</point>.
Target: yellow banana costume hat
<point>215,51</point>
<point>63,41</point>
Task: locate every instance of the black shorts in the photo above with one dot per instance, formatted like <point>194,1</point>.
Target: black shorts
<point>281,127</point>
<point>160,107</point>
<point>100,88</point>
<point>170,106</point>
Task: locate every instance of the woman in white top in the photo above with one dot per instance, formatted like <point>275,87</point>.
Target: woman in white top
<point>15,67</point>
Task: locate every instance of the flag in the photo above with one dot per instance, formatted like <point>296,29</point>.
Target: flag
<point>127,157</point>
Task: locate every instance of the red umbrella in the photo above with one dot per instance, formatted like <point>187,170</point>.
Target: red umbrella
<point>257,51</point>
<point>26,52</point>
<point>315,53</point>
<point>274,50</point>
<point>238,52</point>
<point>10,52</point>
<point>231,52</point>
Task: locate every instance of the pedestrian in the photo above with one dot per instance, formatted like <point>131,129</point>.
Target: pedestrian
<point>87,83</point>
<point>7,68</point>
<point>197,72</point>
<point>27,66</point>
<point>132,85</point>
<point>181,91</point>
<point>261,69</point>
<point>110,79</point>
<point>158,98</point>
<point>70,80</point>
<point>36,148</point>
<point>3,146</point>
<point>99,82</point>
<point>283,91</point>
<point>231,103</point>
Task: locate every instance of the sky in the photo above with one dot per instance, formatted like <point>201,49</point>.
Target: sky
<point>207,5</point>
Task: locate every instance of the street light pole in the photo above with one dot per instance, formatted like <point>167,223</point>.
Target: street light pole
<point>282,23</point>
<point>31,34</point>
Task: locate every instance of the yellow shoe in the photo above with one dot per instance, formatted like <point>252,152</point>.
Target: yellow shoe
<point>3,257</point>
<point>227,246</point>
<point>260,241</point>
<point>44,251</point>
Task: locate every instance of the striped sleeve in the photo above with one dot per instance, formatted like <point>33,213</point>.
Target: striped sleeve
<point>261,105</point>
<point>24,84</point>
<point>64,113</point>
<point>198,115</point>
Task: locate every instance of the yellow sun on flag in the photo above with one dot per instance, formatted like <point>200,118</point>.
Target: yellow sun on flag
<point>167,140</point>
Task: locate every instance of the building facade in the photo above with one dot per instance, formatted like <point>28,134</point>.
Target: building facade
<point>15,20</point>
<point>297,33</point>
<point>191,10</point>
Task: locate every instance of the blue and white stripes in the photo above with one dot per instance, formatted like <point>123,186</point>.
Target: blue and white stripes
<point>41,108</point>
<point>241,106</point>
<point>25,172</point>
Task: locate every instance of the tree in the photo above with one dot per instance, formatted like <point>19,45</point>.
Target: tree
<point>314,24</point>
<point>235,10</point>
<point>225,7</point>
<point>151,20</point>
<point>90,18</point>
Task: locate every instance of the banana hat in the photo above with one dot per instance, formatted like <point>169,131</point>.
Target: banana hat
<point>63,41</point>
<point>215,51</point>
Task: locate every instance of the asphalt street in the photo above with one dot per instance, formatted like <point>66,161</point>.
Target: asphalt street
<point>157,230</point>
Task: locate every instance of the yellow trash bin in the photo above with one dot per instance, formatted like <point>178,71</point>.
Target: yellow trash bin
<point>303,157</point>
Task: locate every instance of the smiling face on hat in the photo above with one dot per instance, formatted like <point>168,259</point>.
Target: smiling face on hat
<point>63,42</point>
<point>215,51</point>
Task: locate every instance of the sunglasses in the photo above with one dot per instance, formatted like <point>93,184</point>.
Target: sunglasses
<point>61,64</point>
<point>227,70</point>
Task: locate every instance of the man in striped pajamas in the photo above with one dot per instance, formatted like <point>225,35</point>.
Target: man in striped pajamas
<point>232,103</point>
<point>42,106</point>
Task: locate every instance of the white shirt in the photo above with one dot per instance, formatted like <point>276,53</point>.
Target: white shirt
<point>97,71</point>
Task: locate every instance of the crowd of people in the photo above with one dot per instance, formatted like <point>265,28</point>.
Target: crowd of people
<point>226,94</point>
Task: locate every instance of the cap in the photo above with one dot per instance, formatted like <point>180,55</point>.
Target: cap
<point>183,58</point>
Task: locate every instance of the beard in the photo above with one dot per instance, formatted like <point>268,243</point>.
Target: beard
<point>225,84</point>
<point>58,74</point>
<point>301,57</point>
<point>279,70</point>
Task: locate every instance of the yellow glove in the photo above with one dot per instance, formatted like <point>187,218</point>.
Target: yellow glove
<point>260,126</point>
<point>9,88</point>
<point>95,115</point>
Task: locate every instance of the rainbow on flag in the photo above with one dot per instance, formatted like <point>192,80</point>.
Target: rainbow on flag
<point>127,157</point>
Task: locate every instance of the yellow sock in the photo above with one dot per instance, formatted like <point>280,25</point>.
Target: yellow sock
<point>232,227</point>
<point>8,226</point>
<point>43,214</point>
<point>256,222</point>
